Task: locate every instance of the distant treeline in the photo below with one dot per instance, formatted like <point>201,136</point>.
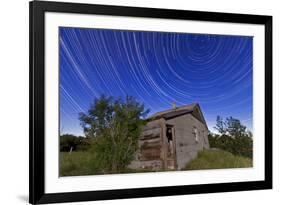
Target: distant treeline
<point>69,142</point>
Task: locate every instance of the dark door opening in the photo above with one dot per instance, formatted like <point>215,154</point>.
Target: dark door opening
<point>170,147</point>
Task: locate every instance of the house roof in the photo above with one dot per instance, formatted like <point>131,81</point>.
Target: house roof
<point>193,108</point>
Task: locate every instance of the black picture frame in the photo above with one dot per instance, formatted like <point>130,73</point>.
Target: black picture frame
<point>37,11</point>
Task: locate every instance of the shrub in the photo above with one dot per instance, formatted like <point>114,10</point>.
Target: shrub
<point>113,127</point>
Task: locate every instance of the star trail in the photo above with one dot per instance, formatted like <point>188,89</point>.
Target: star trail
<point>158,69</point>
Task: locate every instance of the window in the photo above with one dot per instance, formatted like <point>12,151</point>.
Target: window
<point>196,135</point>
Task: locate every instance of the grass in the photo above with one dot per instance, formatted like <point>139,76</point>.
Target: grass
<point>83,163</point>
<point>77,164</point>
<point>218,159</point>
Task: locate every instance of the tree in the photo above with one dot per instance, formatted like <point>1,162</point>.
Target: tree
<point>220,125</point>
<point>233,137</point>
<point>234,127</point>
<point>114,127</point>
<point>98,117</point>
<point>230,126</point>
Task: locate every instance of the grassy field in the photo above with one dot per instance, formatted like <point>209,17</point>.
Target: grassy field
<point>218,159</point>
<point>76,164</point>
<point>82,163</point>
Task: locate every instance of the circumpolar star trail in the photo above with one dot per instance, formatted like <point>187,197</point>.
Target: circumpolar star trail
<point>157,68</point>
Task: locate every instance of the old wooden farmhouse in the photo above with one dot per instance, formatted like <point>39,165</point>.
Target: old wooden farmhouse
<point>171,139</point>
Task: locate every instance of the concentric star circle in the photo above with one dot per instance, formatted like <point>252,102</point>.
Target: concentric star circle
<point>158,68</point>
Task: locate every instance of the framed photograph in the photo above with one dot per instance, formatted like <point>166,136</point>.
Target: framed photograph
<point>130,102</point>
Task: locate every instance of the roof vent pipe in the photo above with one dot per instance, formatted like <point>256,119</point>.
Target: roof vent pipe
<point>174,105</point>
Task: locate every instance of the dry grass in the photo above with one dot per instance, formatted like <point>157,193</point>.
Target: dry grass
<point>218,159</point>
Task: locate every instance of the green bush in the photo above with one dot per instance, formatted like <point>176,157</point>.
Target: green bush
<point>240,145</point>
<point>113,127</point>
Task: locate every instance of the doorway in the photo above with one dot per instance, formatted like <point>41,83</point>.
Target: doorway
<point>171,147</point>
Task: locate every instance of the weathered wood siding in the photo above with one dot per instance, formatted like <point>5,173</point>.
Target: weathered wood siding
<point>186,145</point>
<point>150,152</point>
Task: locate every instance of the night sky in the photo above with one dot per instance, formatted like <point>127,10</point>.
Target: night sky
<point>156,68</point>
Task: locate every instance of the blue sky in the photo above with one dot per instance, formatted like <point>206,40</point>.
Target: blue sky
<point>156,68</point>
